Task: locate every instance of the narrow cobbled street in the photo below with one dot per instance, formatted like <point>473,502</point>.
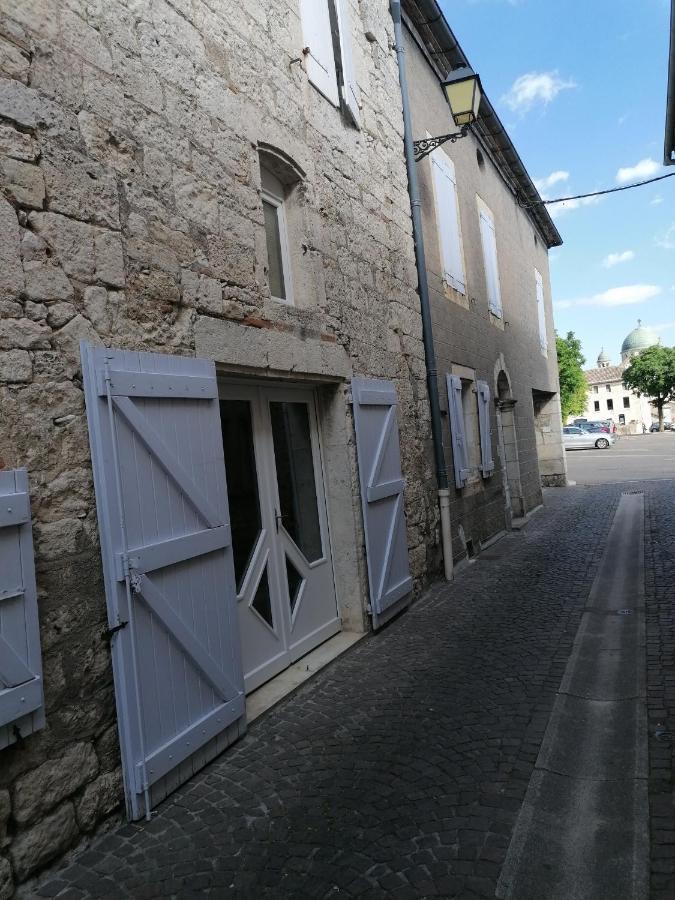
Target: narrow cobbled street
<point>401,769</point>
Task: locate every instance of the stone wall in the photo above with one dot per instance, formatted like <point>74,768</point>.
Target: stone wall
<point>130,215</point>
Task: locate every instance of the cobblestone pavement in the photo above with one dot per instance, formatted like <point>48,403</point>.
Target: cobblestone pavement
<point>399,770</point>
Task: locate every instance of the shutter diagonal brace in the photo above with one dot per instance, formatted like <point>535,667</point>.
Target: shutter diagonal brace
<point>132,629</point>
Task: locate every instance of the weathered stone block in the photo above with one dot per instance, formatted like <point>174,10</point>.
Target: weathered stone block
<point>22,182</point>
<point>24,334</point>
<point>201,292</point>
<point>196,200</point>
<point>58,540</point>
<point>53,835</point>
<point>99,799</point>
<point>17,144</point>
<point>5,810</point>
<point>80,188</point>
<point>73,242</point>
<point>46,282</point>
<point>36,312</point>
<point>6,879</point>
<point>14,61</point>
<point>59,314</point>
<point>49,784</point>
<point>15,366</point>
<point>68,338</point>
<point>109,258</point>
<point>11,273</point>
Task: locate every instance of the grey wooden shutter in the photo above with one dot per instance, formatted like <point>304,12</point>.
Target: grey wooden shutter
<point>159,474</point>
<point>487,462</point>
<point>318,41</point>
<point>21,698</point>
<point>541,310</point>
<point>382,487</point>
<point>350,89</point>
<point>457,431</point>
<point>489,242</point>
<point>447,220</point>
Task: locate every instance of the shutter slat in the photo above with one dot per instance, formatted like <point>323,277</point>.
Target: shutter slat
<point>447,216</point>
<point>487,461</point>
<point>317,38</point>
<point>489,243</point>
<point>457,431</point>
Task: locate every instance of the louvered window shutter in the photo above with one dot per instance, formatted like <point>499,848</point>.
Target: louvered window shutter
<point>489,241</point>
<point>21,696</point>
<point>487,462</point>
<point>447,217</point>
<point>317,37</point>
<point>541,311</point>
<point>350,89</point>
<point>457,432</point>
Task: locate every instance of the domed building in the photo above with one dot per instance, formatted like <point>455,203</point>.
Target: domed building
<point>607,396</point>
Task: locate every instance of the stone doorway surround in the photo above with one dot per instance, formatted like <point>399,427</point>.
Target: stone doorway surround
<point>508,447</point>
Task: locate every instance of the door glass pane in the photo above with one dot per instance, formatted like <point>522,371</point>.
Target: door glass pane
<point>261,602</point>
<point>274,258</point>
<point>295,476</point>
<point>242,482</point>
<point>294,583</point>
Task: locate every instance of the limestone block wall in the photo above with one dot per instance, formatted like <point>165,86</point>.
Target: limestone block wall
<point>130,215</point>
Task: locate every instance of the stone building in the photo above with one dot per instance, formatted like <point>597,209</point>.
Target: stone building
<point>227,182</point>
<point>211,367</point>
<point>486,239</point>
<point>609,398</point>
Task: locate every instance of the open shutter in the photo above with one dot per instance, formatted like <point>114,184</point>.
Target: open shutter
<point>457,433</point>
<point>382,486</point>
<point>350,89</point>
<point>541,310</point>
<point>489,241</point>
<point>159,475</point>
<point>447,218</point>
<point>21,701</point>
<point>318,42</point>
<point>487,462</point>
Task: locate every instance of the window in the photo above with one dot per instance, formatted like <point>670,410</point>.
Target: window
<point>319,50</point>
<point>595,389</point>
<point>610,405</point>
<point>596,405</point>
<point>470,427</point>
<point>541,311</point>
<point>489,242</point>
<point>608,387</point>
<point>276,235</point>
<point>626,402</point>
<point>447,219</point>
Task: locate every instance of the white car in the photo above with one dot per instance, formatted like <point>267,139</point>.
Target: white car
<point>576,438</point>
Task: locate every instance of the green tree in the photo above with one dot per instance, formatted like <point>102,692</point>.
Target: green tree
<point>573,384</point>
<point>652,374</point>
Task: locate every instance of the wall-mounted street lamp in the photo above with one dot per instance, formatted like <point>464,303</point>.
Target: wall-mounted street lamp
<point>463,92</point>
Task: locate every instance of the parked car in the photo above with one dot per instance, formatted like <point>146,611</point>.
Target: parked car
<point>595,427</point>
<point>576,438</point>
<point>667,426</point>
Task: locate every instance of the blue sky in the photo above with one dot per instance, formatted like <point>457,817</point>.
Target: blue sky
<point>581,89</point>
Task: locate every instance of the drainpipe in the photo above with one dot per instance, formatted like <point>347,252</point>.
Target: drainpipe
<point>427,333</point>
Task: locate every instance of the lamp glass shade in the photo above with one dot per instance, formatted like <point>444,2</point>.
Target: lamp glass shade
<point>463,92</point>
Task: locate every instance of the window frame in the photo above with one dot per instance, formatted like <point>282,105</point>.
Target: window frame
<point>626,402</point>
<point>267,196</point>
<point>596,406</point>
<point>610,404</point>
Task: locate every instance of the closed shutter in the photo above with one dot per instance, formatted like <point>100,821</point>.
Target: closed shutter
<point>21,699</point>
<point>489,241</point>
<point>487,462</point>
<point>447,218</point>
<point>159,475</point>
<point>350,89</point>
<point>382,486</point>
<point>541,310</point>
<point>318,41</point>
<point>457,431</point>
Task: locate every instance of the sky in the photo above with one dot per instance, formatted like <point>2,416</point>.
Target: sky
<point>581,89</point>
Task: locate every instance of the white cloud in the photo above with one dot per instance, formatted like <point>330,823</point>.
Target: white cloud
<point>556,210</point>
<point>655,202</point>
<point>544,184</point>
<point>642,170</point>
<point>535,88</point>
<point>613,259</point>
<point>618,296</point>
<point>666,239</point>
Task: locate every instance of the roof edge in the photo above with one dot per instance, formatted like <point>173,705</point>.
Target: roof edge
<point>430,23</point>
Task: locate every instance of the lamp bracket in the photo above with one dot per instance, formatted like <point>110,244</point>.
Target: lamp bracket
<point>426,146</point>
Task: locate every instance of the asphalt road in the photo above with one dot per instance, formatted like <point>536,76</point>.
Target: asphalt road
<point>632,458</point>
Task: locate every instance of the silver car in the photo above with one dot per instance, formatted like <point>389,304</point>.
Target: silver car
<point>576,438</point>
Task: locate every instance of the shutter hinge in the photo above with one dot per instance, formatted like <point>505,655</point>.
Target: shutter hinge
<point>109,633</point>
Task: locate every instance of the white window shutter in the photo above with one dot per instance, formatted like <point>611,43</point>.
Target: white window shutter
<point>541,310</point>
<point>489,241</point>
<point>447,217</point>
<point>350,89</point>
<point>487,462</point>
<point>457,432</point>
<point>317,38</point>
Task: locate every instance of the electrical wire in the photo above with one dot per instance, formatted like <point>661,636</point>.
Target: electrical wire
<point>625,187</point>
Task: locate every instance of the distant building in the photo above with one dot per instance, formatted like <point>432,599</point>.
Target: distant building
<point>608,398</point>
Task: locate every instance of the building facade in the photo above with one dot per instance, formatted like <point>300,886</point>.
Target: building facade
<point>212,381</point>
<point>487,268</point>
<point>609,399</point>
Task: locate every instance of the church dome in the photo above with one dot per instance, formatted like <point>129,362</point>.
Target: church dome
<point>604,359</point>
<point>639,339</point>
